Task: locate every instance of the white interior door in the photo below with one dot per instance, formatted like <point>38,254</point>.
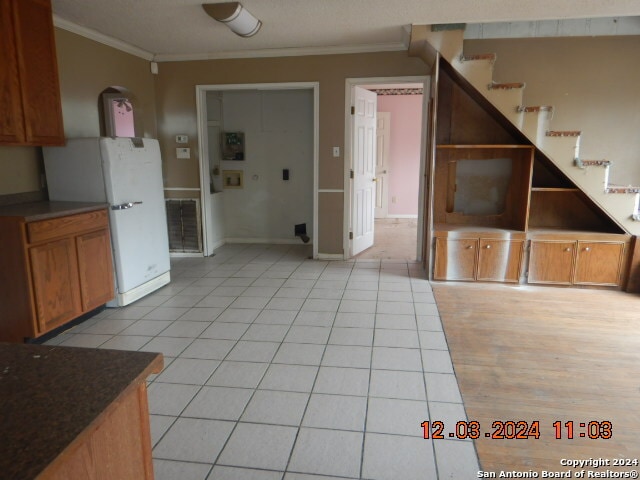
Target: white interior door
<point>363,157</point>
<point>383,135</point>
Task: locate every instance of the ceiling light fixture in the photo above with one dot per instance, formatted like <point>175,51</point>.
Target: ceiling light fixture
<point>235,16</point>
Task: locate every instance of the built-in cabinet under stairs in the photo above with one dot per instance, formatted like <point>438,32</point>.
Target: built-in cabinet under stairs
<point>512,199</point>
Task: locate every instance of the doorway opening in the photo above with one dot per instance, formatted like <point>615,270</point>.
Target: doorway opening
<point>395,149</point>
<point>258,155</point>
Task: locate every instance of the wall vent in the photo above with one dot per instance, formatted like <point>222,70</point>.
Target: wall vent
<point>183,221</point>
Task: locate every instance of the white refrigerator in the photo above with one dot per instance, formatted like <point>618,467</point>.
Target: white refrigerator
<point>126,173</point>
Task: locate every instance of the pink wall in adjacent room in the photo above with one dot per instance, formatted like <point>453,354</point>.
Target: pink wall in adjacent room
<point>404,168</point>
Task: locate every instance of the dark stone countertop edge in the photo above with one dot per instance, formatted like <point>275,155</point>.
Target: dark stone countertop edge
<point>36,211</point>
<point>53,398</point>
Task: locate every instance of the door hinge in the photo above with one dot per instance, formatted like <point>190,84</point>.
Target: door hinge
<point>350,173</point>
<point>353,110</point>
<point>350,235</point>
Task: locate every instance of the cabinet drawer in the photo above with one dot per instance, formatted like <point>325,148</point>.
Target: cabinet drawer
<point>65,226</point>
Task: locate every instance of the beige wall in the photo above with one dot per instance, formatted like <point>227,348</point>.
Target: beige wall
<point>176,107</point>
<point>85,69</point>
<point>593,84</point>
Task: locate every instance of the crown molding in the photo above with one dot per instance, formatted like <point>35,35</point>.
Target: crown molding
<point>101,38</point>
<point>283,52</point>
<point>263,53</point>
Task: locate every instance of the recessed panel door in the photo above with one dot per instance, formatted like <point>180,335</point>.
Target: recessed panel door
<point>364,169</point>
<point>455,259</point>
<point>551,262</point>
<point>499,260</point>
<point>599,263</point>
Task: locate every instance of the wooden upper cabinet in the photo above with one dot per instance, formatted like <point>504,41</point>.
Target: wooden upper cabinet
<point>29,87</point>
<point>11,121</point>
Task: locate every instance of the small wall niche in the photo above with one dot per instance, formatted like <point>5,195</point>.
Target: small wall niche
<point>233,179</point>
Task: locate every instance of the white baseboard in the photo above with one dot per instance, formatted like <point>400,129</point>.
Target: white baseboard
<point>275,241</point>
<point>330,256</point>
<point>184,254</point>
<point>400,216</point>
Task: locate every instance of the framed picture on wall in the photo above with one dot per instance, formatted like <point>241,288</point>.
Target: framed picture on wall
<point>232,146</point>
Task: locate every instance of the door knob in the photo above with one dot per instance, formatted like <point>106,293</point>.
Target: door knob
<point>488,246</point>
<point>587,249</point>
<point>567,249</point>
<point>374,179</point>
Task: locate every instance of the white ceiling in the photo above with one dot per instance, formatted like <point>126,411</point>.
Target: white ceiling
<point>180,29</point>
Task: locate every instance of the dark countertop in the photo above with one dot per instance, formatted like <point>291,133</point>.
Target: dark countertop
<point>50,394</point>
<point>32,212</point>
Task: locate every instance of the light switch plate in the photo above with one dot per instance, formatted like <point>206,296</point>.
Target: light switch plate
<point>336,152</point>
<point>183,152</point>
<point>182,139</point>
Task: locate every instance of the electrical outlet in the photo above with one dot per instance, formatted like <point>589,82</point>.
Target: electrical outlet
<point>336,152</point>
<point>182,139</point>
<point>394,199</point>
<point>183,152</point>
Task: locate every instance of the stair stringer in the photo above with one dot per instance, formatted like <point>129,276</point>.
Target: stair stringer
<point>560,150</point>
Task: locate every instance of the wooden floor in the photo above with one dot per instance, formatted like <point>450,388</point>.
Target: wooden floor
<point>548,354</point>
<point>394,239</point>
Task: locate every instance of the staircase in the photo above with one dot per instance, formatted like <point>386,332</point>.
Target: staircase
<point>562,148</point>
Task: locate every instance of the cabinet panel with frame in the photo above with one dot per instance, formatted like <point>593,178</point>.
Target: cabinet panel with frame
<point>29,85</point>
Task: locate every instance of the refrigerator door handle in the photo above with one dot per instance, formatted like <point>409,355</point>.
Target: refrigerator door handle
<point>124,206</point>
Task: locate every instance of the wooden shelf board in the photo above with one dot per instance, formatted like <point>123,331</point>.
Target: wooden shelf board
<point>554,189</point>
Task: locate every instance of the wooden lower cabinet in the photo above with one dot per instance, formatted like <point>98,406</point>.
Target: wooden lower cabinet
<point>577,262</point>
<point>118,445</point>
<point>54,269</point>
<point>95,268</point>
<point>551,262</point>
<point>485,259</point>
<point>499,260</point>
<point>555,258</point>
<point>455,259</point>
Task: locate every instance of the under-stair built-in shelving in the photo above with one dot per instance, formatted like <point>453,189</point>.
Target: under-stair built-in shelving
<point>503,211</point>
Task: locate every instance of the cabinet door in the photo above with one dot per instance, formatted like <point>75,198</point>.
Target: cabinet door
<point>551,262</point>
<point>499,260</point>
<point>38,72</point>
<point>11,121</point>
<point>599,263</point>
<point>95,268</point>
<point>54,271</point>
<point>455,259</point>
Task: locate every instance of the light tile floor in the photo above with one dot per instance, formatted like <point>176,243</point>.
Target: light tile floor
<point>281,367</point>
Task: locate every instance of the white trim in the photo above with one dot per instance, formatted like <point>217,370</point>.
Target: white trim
<point>399,216</point>
<point>350,83</point>
<point>92,34</point>
<point>331,190</point>
<point>330,256</point>
<point>274,241</point>
<point>181,189</point>
<point>140,291</point>
<point>185,254</point>
<point>282,52</point>
<point>201,102</point>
